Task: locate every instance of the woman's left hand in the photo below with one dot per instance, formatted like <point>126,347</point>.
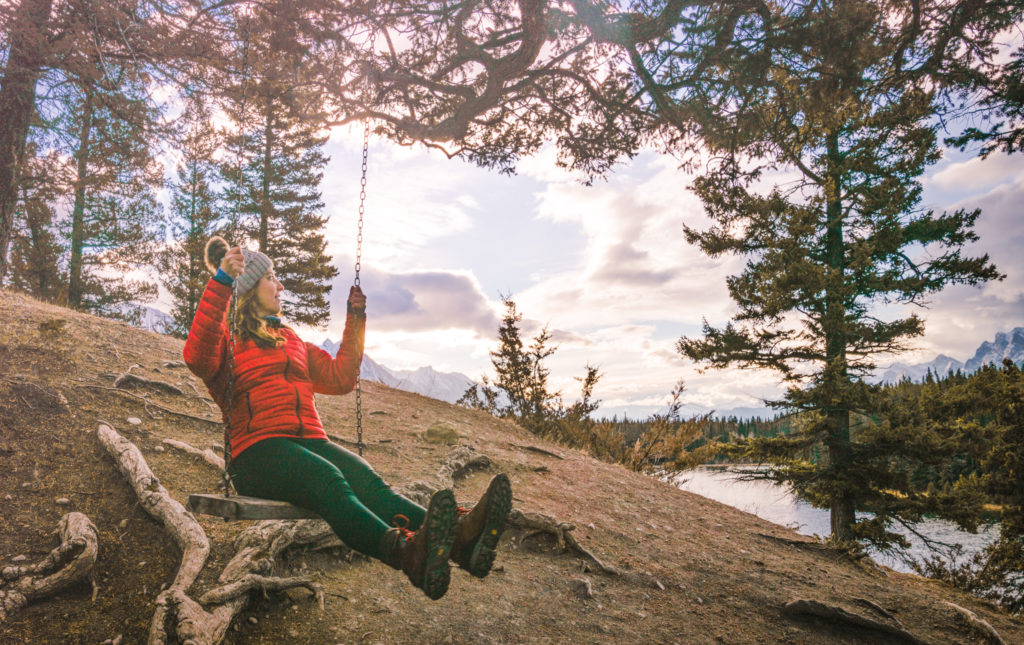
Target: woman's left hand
<point>356,300</point>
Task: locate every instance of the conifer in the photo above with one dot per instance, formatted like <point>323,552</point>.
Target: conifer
<point>275,164</point>
<point>194,217</point>
<point>823,251</point>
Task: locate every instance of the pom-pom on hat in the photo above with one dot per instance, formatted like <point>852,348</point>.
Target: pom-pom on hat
<point>256,263</point>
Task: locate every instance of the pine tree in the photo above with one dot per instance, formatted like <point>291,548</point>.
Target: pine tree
<point>194,217</point>
<point>275,165</point>
<point>28,48</point>
<point>825,251</point>
<point>35,252</point>
<point>110,128</point>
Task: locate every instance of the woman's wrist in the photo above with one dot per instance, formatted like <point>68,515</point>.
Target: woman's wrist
<point>223,278</point>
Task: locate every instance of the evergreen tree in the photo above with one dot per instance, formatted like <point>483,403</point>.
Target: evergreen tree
<point>194,218</point>
<point>35,253</point>
<point>28,50</point>
<point>837,108</point>
<point>275,165</point>
<point>110,128</point>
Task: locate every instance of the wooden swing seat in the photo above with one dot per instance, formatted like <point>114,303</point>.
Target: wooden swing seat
<point>240,507</point>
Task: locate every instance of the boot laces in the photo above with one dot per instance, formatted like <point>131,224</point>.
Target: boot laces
<point>401,522</point>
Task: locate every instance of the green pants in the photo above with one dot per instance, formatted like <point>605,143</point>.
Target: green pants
<point>336,484</point>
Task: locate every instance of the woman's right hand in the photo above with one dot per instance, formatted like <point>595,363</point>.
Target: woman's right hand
<point>233,262</point>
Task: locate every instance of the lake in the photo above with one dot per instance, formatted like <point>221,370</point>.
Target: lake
<point>778,504</point>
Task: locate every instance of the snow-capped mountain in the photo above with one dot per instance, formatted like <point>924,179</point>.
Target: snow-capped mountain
<point>445,386</point>
<point>1006,345</point>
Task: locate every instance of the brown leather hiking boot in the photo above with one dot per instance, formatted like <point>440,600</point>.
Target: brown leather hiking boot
<point>478,531</point>
<point>423,555</point>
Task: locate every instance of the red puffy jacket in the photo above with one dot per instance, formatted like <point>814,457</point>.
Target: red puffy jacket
<point>272,395</point>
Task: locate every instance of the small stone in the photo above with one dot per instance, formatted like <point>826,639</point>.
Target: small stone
<point>123,524</point>
<point>134,421</point>
<point>699,600</point>
<point>63,501</point>
<point>8,498</point>
<point>591,526</point>
<point>294,633</point>
<point>26,484</point>
<point>19,558</point>
<point>253,620</point>
<point>159,449</point>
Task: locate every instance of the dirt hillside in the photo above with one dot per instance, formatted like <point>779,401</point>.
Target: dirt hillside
<point>690,570</point>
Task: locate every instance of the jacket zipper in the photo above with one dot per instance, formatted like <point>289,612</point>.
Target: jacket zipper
<point>298,401</point>
<point>248,407</point>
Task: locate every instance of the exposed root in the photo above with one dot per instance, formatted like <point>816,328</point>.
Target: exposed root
<point>208,455</point>
<point>252,582</point>
<point>128,380</point>
<point>834,613</point>
<point>537,523</point>
<point>182,618</point>
<point>979,624</point>
<point>181,524</point>
<point>148,402</point>
<point>538,450</point>
<point>462,461</point>
<point>67,564</point>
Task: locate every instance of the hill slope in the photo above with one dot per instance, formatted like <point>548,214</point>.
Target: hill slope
<point>721,575</point>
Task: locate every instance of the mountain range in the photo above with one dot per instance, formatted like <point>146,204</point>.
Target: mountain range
<point>1006,345</point>
<point>445,386</point>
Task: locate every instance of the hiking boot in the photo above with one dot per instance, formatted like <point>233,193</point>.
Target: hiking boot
<point>478,531</point>
<point>423,555</point>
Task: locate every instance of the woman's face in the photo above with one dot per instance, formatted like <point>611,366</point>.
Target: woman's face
<point>268,295</point>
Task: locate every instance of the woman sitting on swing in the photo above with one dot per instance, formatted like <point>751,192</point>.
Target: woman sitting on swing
<point>279,449</point>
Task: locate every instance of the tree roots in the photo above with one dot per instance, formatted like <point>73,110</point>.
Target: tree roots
<point>67,564</point>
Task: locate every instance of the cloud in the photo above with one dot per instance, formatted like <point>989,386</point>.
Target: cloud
<point>960,317</point>
<point>419,301</point>
<point>978,173</point>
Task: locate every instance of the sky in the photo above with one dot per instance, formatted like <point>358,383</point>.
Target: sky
<point>605,267</point>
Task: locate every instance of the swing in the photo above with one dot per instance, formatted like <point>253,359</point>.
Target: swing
<point>239,507</point>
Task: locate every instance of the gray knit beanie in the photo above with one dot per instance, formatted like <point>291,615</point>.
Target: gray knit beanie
<point>256,263</point>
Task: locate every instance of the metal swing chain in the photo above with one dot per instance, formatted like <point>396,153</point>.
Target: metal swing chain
<point>359,259</point>
<point>229,391</point>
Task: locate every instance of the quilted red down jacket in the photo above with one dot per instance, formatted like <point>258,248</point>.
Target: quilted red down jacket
<point>273,388</point>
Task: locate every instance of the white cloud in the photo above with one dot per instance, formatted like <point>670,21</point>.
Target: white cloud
<point>977,173</point>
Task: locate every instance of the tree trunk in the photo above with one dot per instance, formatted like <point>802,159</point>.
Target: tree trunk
<point>266,206</point>
<point>836,377</point>
<point>78,211</point>
<point>27,53</point>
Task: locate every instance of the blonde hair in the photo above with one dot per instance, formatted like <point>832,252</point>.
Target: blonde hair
<point>248,324</point>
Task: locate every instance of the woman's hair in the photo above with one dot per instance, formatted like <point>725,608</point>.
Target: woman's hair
<point>247,323</point>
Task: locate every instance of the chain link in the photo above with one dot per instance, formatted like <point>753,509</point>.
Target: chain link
<point>359,266</point>
<point>229,393</point>
<point>230,389</point>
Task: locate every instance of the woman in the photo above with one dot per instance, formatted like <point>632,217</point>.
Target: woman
<point>279,449</point>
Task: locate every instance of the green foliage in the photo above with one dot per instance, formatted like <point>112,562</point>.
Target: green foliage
<point>36,253</point>
<point>846,237</point>
<point>275,164</point>
<point>664,444</point>
<point>982,417</point>
<point>194,218</point>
